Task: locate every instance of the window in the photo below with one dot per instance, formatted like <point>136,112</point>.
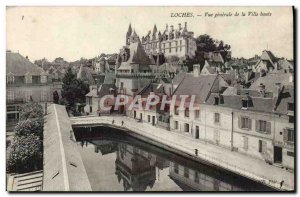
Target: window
<point>122,84</point>
<point>176,168</point>
<point>260,146</point>
<point>10,95</point>
<point>28,78</point>
<point>43,78</point>
<point>263,126</point>
<point>289,133</point>
<point>244,104</point>
<point>28,95</point>
<point>176,124</point>
<point>196,177</point>
<point>180,45</point>
<point>217,118</point>
<point>186,172</point>
<point>176,110</point>
<point>10,78</point>
<point>291,106</point>
<point>149,118</point>
<point>245,141</point>
<point>89,100</point>
<point>216,100</point>
<point>186,127</point>
<point>197,132</point>
<point>245,123</point>
<point>291,119</point>
<point>197,114</point>
<point>187,112</point>
<point>291,154</point>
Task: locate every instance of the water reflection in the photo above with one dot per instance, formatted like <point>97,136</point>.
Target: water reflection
<point>129,164</point>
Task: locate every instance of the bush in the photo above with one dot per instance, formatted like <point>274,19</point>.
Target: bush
<point>30,126</point>
<point>31,111</point>
<point>25,154</point>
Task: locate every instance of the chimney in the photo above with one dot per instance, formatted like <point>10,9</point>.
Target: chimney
<point>179,26</point>
<point>172,27</point>
<point>26,57</point>
<point>166,27</point>
<point>196,70</point>
<point>185,25</point>
<point>291,78</point>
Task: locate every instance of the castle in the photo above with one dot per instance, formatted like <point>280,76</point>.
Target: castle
<point>171,42</point>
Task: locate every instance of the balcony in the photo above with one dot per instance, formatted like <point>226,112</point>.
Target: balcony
<point>136,75</point>
<point>15,101</point>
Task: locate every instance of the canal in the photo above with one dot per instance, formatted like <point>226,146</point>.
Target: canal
<point>115,161</point>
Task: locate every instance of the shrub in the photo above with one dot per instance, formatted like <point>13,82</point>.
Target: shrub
<point>31,110</point>
<point>25,154</point>
<point>30,126</point>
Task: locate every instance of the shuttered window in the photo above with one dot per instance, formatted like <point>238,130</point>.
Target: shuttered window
<point>288,136</point>
<point>245,123</point>
<point>262,126</point>
<point>217,118</point>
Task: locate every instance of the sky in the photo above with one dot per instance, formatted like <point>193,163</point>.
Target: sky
<point>75,32</point>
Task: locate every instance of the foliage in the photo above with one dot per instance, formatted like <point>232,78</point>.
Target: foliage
<point>29,126</point>
<point>205,44</point>
<point>25,154</point>
<point>73,90</point>
<point>172,59</point>
<point>31,111</point>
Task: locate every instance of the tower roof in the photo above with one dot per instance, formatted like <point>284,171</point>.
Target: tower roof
<point>137,56</point>
<point>129,32</point>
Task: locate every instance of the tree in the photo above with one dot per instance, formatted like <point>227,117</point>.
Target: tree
<point>73,90</point>
<point>25,154</point>
<point>206,44</point>
<point>55,97</point>
<point>31,111</point>
<point>173,59</point>
<point>29,126</point>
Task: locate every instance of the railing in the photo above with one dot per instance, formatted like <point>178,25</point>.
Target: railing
<point>144,75</point>
<point>14,101</point>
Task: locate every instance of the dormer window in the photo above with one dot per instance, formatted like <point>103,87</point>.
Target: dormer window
<point>10,79</point>
<point>187,112</point>
<point>28,78</point>
<point>217,100</point>
<point>244,103</point>
<point>290,106</point>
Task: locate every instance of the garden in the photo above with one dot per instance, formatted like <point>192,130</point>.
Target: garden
<point>25,151</point>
